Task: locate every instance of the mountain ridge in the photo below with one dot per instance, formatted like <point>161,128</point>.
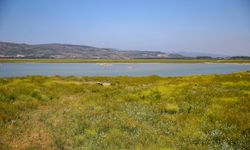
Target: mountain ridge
<point>57,50</point>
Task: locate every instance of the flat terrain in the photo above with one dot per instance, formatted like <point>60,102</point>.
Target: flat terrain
<point>194,112</point>
<point>5,60</point>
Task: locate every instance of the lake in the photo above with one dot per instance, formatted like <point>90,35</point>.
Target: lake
<point>117,69</point>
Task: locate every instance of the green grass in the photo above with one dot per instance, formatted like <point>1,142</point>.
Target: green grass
<point>6,60</point>
<point>194,112</point>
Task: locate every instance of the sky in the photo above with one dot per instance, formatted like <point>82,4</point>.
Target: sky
<point>208,26</point>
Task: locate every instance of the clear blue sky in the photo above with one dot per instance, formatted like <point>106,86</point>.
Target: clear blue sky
<point>213,26</point>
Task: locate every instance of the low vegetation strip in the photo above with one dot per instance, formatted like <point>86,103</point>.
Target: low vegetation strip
<point>7,60</point>
<point>194,112</point>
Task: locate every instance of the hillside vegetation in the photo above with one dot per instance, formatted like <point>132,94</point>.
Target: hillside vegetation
<point>16,50</point>
<point>194,112</point>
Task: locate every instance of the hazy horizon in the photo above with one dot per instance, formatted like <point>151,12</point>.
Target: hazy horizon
<point>209,26</point>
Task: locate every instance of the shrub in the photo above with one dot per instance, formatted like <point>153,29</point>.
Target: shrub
<point>168,108</point>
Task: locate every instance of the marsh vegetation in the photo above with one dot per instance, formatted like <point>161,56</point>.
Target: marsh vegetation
<point>194,112</point>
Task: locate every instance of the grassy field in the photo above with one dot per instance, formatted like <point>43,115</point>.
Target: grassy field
<point>5,60</point>
<point>194,112</point>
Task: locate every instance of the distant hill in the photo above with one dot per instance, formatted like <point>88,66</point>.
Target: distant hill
<point>197,54</point>
<point>15,50</point>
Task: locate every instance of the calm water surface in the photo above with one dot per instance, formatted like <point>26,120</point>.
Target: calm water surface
<point>91,69</point>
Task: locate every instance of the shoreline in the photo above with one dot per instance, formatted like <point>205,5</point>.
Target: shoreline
<point>111,63</point>
<point>130,61</point>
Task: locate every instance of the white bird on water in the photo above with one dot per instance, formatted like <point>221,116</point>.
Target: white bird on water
<point>130,67</point>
